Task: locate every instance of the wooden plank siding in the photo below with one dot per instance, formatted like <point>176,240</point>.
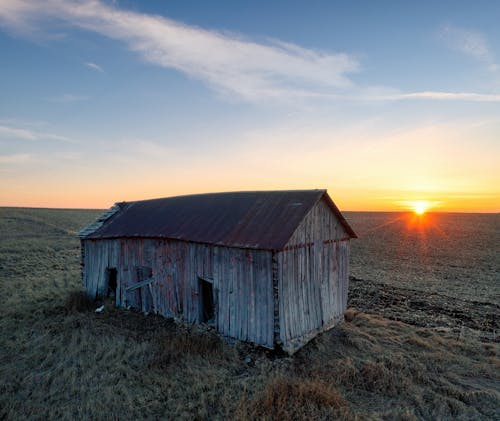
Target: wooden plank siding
<point>312,278</point>
<point>242,281</point>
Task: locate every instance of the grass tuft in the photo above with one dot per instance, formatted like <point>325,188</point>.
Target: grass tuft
<point>79,302</point>
<point>377,377</point>
<point>293,398</point>
<point>350,314</point>
<point>182,344</point>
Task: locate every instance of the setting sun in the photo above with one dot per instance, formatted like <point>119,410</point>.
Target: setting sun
<point>420,207</point>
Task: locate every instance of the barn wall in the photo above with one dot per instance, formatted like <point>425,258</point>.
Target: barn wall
<point>242,282</point>
<point>312,278</point>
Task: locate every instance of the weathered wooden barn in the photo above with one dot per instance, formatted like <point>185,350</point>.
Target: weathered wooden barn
<point>270,267</point>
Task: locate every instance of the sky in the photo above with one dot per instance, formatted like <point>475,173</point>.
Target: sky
<point>383,103</point>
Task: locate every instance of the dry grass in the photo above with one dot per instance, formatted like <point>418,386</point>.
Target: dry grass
<point>79,301</point>
<point>184,345</point>
<point>286,398</point>
<point>441,378</point>
<point>60,359</point>
<point>350,314</point>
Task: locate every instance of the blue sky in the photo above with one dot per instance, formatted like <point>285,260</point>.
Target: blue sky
<point>383,103</point>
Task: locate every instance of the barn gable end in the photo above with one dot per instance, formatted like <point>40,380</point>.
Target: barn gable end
<point>320,224</point>
<point>312,277</point>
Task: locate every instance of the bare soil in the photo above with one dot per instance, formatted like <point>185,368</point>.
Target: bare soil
<point>452,254</point>
<point>427,309</point>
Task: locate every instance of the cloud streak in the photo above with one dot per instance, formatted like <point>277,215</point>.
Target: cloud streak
<point>471,43</point>
<point>468,42</point>
<point>233,66</point>
<point>94,66</point>
<point>446,96</point>
<point>226,62</point>
<point>15,159</point>
<point>390,95</point>
<point>67,98</point>
<point>8,132</point>
<point>17,133</point>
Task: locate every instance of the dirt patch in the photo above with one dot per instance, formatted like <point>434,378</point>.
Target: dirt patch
<point>426,309</point>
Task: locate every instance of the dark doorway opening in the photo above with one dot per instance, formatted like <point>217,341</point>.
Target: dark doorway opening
<point>112,276</point>
<point>207,307</point>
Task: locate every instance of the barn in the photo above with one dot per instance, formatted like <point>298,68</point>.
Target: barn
<point>269,267</point>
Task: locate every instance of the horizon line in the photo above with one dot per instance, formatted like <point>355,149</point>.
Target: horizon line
<point>345,210</point>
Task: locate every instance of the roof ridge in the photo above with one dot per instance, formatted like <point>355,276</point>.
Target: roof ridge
<point>223,193</point>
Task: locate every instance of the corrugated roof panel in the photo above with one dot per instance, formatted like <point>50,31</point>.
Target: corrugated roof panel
<point>260,220</point>
<point>99,222</point>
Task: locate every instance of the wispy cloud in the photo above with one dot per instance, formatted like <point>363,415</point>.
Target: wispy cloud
<point>388,95</point>
<point>446,96</point>
<point>7,132</point>
<point>15,158</point>
<point>230,64</point>
<point>226,62</point>
<point>468,42</point>
<point>45,159</point>
<point>94,66</point>
<point>15,132</point>
<point>66,98</point>
<point>471,43</point>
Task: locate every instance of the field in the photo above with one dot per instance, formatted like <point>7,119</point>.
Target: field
<point>420,340</point>
<point>449,253</point>
<point>440,270</point>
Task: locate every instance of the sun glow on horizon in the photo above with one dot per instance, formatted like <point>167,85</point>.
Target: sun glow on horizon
<point>420,207</point>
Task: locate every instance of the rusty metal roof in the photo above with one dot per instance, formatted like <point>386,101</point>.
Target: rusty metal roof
<point>260,219</point>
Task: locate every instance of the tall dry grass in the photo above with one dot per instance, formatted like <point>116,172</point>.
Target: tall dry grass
<point>289,397</point>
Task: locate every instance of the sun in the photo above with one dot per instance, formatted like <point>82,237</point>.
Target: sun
<point>420,207</point>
